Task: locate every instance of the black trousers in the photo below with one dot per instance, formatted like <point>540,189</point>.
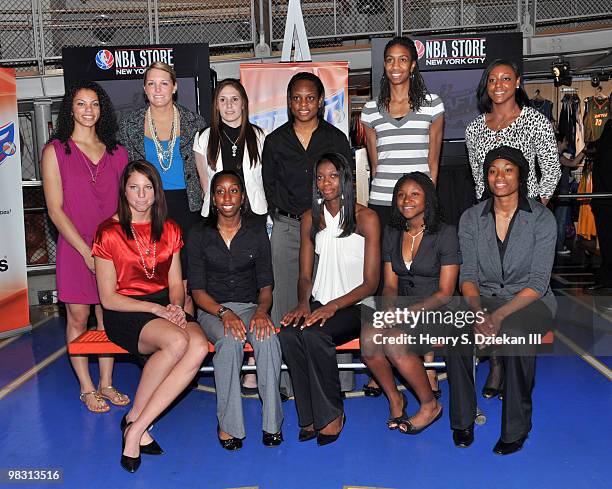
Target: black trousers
<point>603,224</point>
<point>519,372</point>
<point>310,355</point>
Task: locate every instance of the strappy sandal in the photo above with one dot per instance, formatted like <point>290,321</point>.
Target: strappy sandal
<point>405,427</point>
<point>117,398</point>
<point>393,423</point>
<point>103,407</point>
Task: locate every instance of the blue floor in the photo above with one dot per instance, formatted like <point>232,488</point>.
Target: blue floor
<point>43,425</point>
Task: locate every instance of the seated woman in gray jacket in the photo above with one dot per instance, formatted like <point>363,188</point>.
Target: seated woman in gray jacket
<point>507,244</point>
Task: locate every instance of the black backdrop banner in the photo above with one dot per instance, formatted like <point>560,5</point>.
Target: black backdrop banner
<point>120,71</point>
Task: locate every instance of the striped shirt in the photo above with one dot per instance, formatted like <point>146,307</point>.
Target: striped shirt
<point>402,146</point>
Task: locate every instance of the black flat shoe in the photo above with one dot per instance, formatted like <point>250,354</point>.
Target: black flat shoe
<point>490,392</point>
<point>323,439</point>
<point>463,438</point>
<point>393,423</point>
<point>370,391</point>
<point>152,448</point>
<point>503,448</point>
<point>306,435</point>
<point>230,444</point>
<point>272,439</point>
<point>130,464</point>
<point>249,391</point>
<point>410,428</point>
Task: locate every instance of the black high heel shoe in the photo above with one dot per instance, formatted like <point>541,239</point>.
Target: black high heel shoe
<point>493,384</point>
<point>323,439</point>
<point>230,444</point>
<point>131,464</point>
<point>152,448</point>
<point>371,391</point>
<point>306,435</point>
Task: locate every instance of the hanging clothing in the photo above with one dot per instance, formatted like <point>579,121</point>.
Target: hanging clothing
<point>586,220</point>
<point>543,106</point>
<point>596,113</point>
<point>570,108</point>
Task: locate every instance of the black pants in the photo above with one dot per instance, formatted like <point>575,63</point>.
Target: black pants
<point>310,354</point>
<point>603,224</point>
<point>519,372</point>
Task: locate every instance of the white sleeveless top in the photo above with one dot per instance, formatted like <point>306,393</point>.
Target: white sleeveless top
<point>340,265</point>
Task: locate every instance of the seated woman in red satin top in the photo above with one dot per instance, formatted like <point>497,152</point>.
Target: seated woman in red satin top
<point>138,271</point>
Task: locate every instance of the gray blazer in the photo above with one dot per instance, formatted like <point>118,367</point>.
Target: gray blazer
<point>529,255</point>
<point>131,135</point>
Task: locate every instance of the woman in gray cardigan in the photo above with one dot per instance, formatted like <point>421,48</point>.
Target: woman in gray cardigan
<point>507,244</point>
<point>162,133</point>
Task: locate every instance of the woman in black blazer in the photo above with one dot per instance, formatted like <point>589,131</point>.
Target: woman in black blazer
<point>507,244</point>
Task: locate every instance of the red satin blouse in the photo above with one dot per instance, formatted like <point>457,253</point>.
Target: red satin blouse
<point>111,243</point>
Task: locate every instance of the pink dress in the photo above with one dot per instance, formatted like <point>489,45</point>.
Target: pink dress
<point>86,204</point>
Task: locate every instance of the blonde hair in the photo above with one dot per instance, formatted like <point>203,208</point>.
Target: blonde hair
<point>160,65</point>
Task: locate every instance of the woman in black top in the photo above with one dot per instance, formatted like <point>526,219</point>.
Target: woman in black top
<point>230,275</point>
<point>421,257</point>
<point>289,155</point>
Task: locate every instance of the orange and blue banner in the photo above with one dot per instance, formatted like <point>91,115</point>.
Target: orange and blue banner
<point>14,315</point>
<point>266,86</point>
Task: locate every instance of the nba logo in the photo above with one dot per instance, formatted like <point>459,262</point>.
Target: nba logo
<point>420,47</point>
<point>7,141</point>
<point>105,59</point>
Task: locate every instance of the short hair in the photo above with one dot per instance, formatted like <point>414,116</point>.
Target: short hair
<point>245,208</point>
<point>523,173</point>
<point>348,221</point>
<point>484,101</point>
<point>432,217</point>
<point>159,210</point>
<point>305,75</point>
<point>160,65</point>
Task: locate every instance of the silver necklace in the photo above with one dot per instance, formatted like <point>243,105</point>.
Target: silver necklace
<point>87,165</point>
<point>412,244</point>
<point>167,154</point>
<point>148,274</point>
<point>234,146</point>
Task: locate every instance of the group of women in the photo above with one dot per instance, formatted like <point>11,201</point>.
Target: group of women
<point>323,259</point>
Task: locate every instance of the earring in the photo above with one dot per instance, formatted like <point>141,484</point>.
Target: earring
<point>320,200</point>
<point>342,197</point>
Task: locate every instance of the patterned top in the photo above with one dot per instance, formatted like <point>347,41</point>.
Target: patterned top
<point>531,133</point>
<point>402,146</point>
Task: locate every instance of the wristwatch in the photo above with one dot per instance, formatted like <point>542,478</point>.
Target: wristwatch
<point>222,310</point>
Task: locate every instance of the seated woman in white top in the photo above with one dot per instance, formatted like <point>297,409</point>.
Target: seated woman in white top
<point>232,143</point>
<point>345,237</point>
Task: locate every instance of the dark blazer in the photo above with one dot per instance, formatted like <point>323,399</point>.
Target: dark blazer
<point>131,135</point>
<point>529,255</point>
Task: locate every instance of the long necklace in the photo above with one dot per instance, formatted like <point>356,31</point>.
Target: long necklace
<point>167,154</point>
<point>137,238</point>
<point>412,244</point>
<point>87,165</point>
<point>234,143</point>
<point>228,236</point>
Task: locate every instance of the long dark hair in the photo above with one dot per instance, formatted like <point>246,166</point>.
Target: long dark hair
<point>159,210</point>
<point>304,75</point>
<point>245,208</point>
<point>484,101</point>
<point>106,127</point>
<point>248,132</point>
<point>348,221</point>
<point>417,91</point>
<point>432,215</point>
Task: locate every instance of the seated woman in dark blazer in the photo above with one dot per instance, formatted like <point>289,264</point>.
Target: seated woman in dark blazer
<point>421,263</point>
<point>230,276</point>
<point>345,239</point>
<point>508,246</point>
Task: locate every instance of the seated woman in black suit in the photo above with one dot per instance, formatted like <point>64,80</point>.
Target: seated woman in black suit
<point>345,238</point>
<point>508,246</point>
<point>421,262</point>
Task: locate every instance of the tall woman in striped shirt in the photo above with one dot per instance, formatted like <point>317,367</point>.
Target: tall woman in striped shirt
<point>403,134</point>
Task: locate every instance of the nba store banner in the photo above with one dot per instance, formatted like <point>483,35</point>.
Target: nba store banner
<point>266,86</point>
<point>14,316</point>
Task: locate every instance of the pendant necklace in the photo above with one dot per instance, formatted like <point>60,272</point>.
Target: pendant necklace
<point>87,165</point>
<point>234,145</point>
<point>412,244</point>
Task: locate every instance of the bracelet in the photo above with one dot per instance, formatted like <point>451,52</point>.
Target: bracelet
<point>222,310</point>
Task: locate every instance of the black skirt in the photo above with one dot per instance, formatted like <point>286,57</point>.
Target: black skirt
<point>123,328</point>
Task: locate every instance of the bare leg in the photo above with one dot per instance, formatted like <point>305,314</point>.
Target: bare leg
<point>76,325</point>
<point>250,380</point>
<point>381,370</point>
<point>177,358</point>
<point>432,375</point>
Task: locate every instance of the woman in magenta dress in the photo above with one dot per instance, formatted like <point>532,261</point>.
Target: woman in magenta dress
<point>81,167</point>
